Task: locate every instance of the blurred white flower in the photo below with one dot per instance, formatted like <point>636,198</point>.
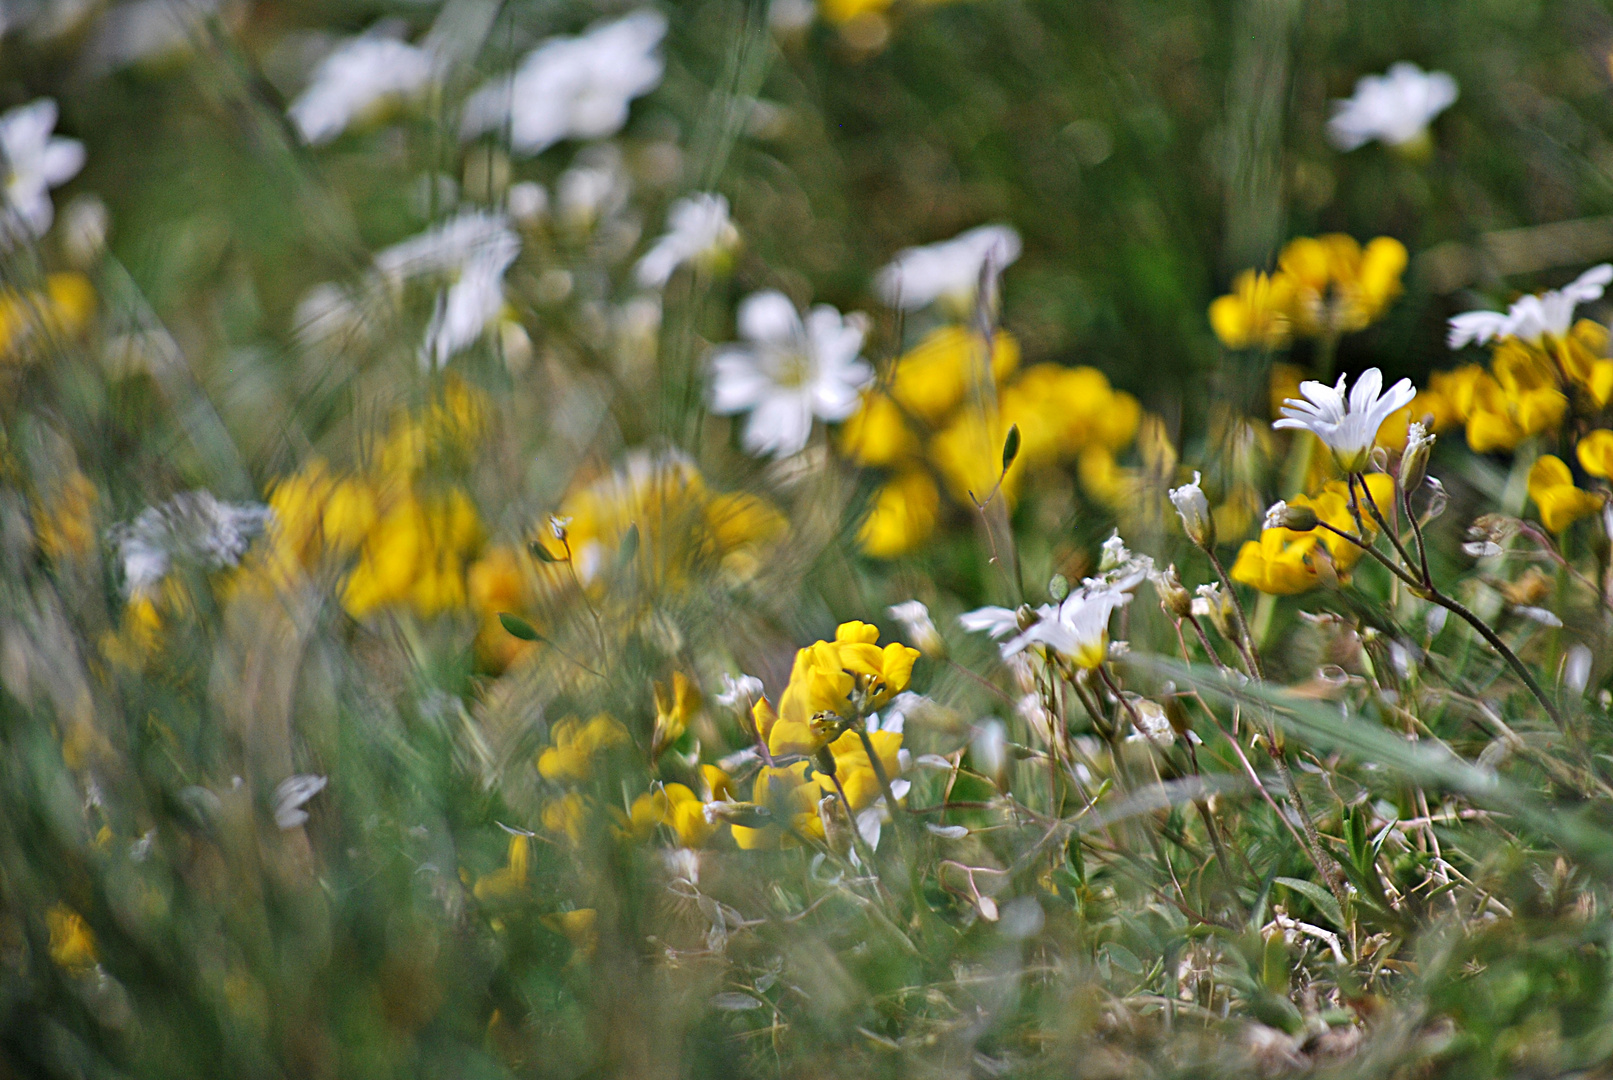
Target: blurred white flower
<point>153,30</point>
<point>572,87</point>
<point>1348,429</point>
<point>1078,628</point>
<point>740,692</point>
<point>596,186</point>
<point>948,271</point>
<point>788,371</point>
<point>1577,668</point>
<point>472,251</point>
<point>1395,108</point>
<point>85,223</point>
<point>360,77</point>
<point>192,526</point>
<point>527,201</point>
<point>921,631</point>
<point>698,227</point>
<point>292,795</point>
<point>35,162</point>
<point>994,622</point>
<point>1532,317</point>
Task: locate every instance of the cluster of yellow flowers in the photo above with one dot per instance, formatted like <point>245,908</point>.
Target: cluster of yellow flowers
<point>1284,562</point>
<point>1324,286</point>
<point>811,748</point>
<point>60,309</point>
<point>931,417</point>
<point>407,531</point>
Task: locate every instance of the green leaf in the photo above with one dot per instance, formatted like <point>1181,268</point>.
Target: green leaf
<point>1319,896</point>
<point>541,553</point>
<point>1010,447</point>
<point>518,627</point>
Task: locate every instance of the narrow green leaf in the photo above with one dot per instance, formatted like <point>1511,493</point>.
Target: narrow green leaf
<point>518,627</point>
<point>1011,447</point>
<point>1317,895</point>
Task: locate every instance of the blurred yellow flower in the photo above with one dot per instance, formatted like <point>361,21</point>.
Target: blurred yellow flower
<point>678,808</point>
<point>1255,313</point>
<point>675,704</point>
<point>574,744</point>
<point>1551,486</point>
<point>72,944</point>
<point>64,520</point>
<point>1339,287</point>
<point>931,379</point>
<point>790,796</point>
<point>509,880</point>
<point>901,516</point>
<point>567,816</point>
<point>61,309</point>
<point>855,771</point>
<point>1595,453</point>
<point>878,433</point>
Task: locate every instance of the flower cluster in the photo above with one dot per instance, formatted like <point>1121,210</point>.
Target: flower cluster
<point>1323,287</point>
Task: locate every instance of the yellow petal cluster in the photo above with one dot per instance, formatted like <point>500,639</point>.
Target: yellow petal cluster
<point>61,309</point>
<point>1551,487</point>
<point>573,744</point>
<point>1284,562</point>
<point>1324,286</point>
<point>832,681</point>
<point>926,425</point>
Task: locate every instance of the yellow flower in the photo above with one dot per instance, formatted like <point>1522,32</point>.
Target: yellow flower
<point>1338,286</point>
<point>62,309</point>
<point>791,797</point>
<point>854,770</point>
<point>65,521</point>
<point>1255,312</point>
<point>567,816</point>
<point>574,744</point>
<point>932,378</point>
<point>880,673</point>
<point>1595,453</point>
<point>72,944</point>
<point>1284,562</point>
<point>674,706</point>
<point>969,454</point>
<point>1582,356</point>
<point>902,515</point>
<point>509,880</point>
<point>677,807</point>
<point>877,433</point>
<point>580,927</point>
<point>1551,486</point>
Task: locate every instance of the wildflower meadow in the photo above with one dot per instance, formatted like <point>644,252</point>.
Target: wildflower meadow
<point>806,538</point>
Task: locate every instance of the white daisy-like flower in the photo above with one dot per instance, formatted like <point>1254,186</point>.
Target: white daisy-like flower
<point>1194,510</point>
<point>948,271</point>
<point>572,87</point>
<point>788,371</point>
<point>361,76</point>
<point>192,527</point>
<point>698,228</point>
<point>35,162</point>
<point>1532,317</point>
<point>472,251</point>
<point>292,795</point>
<point>1348,428</point>
<point>1078,628</point>
<point>1394,108</point>
<point>921,631</point>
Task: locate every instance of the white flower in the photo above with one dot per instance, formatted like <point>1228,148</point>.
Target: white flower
<point>740,693</point>
<point>789,371</point>
<point>995,622</point>
<point>698,227</point>
<point>1194,510</point>
<point>1348,429</point>
<point>1078,628</point>
<point>35,162</point>
<point>1532,317</point>
<point>527,201</point>
<point>572,87</point>
<point>1113,552</point>
<point>472,251</point>
<point>1395,108</point>
<point>357,79</point>
<point>292,795</point>
<point>947,271</point>
<point>192,526</point>
<point>921,631</point>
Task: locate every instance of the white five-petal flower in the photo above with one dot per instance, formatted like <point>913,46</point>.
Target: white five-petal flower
<point>572,87</point>
<point>472,251</point>
<point>789,370</point>
<point>698,227</point>
<point>35,162</point>
<point>360,76</point>
<point>948,271</point>
<point>1395,108</point>
<point>1348,427</point>
<point>1078,628</point>
<point>1532,317</point>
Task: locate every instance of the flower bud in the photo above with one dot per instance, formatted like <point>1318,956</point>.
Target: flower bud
<point>1283,516</point>
<point>1194,510</point>
<point>1175,599</point>
<point>1414,462</point>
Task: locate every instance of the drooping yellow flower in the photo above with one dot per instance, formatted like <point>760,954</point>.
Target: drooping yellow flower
<point>1284,562</point>
<point>902,515</point>
<point>1551,486</point>
<point>931,379</point>
<point>856,773</point>
<point>72,944</point>
<point>1595,453</point>
<point>790,796</point>
<point>1255,313</point>
<point>574,744</point>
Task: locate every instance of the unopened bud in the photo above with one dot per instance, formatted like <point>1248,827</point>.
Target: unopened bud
<point>1414,462</point>
<point>1284,515</point>
<point>1194,510</point>
<point>1176,600</point>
